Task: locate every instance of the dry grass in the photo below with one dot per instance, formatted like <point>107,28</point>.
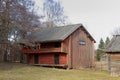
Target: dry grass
<point>15,71</point>
<point>101,65</point>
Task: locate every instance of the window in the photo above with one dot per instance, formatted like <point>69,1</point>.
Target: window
<point>57,44</point>
<point>82,43</point>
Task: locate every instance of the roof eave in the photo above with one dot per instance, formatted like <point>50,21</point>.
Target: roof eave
<point>88,33</point>
<point>59,40</point>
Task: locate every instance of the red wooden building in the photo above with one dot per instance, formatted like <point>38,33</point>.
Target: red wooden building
<point>69,46</point>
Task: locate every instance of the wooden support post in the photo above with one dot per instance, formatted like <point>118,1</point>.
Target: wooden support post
<point>70,65</point>
<point>62,46</point>
<point>109,64</point>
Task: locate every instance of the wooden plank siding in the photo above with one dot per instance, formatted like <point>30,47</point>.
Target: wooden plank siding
<point>41,50</point>
<point>66,47</point>
<point>93,54</point>
<point>114,64</point>
<point>82,55</point>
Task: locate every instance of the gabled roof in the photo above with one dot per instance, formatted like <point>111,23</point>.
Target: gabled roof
<point>114,45</point>
<point>51,34</point>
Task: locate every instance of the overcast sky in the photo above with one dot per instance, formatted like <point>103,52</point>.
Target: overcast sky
<point>100,17</point>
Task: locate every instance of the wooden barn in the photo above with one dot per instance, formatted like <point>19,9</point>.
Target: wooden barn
<point>113,51</point>
<point>69,46</point>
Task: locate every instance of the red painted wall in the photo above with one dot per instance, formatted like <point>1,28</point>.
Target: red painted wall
<point>63,59</point>
<point>31,59</point>
<point>48,58</point>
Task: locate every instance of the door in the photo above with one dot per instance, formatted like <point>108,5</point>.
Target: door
<point>5,57</point>
<point>56,58</point>
<point>35,59</point>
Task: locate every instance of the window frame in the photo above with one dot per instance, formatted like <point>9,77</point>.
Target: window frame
<point>82,42</point>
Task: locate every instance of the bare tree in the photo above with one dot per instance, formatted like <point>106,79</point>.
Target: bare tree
<point>116,31</point>
<point>53,12</point>
<point>17,17</point>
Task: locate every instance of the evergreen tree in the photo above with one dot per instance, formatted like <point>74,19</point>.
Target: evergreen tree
<point>100,49</point>
<point>107,41</point>
<point>101,44</point>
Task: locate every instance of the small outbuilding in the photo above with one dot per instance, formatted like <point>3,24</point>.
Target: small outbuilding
<point>69,46</point>
<point>113,51</point>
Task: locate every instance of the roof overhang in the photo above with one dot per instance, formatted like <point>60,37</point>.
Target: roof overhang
<point>88,33</point>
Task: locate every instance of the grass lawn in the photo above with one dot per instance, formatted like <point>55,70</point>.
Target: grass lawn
<point>15,71</point>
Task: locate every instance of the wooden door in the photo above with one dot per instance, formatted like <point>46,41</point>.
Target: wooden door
<point>56,58</point>
<point>5,56</point>
<point>35,59</point>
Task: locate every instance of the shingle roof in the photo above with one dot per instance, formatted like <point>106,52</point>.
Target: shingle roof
<point>56,33</point>
<point>114,45</point>
<point>26,42</point>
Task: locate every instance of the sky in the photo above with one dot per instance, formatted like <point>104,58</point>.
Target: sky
<point>99,17</point>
